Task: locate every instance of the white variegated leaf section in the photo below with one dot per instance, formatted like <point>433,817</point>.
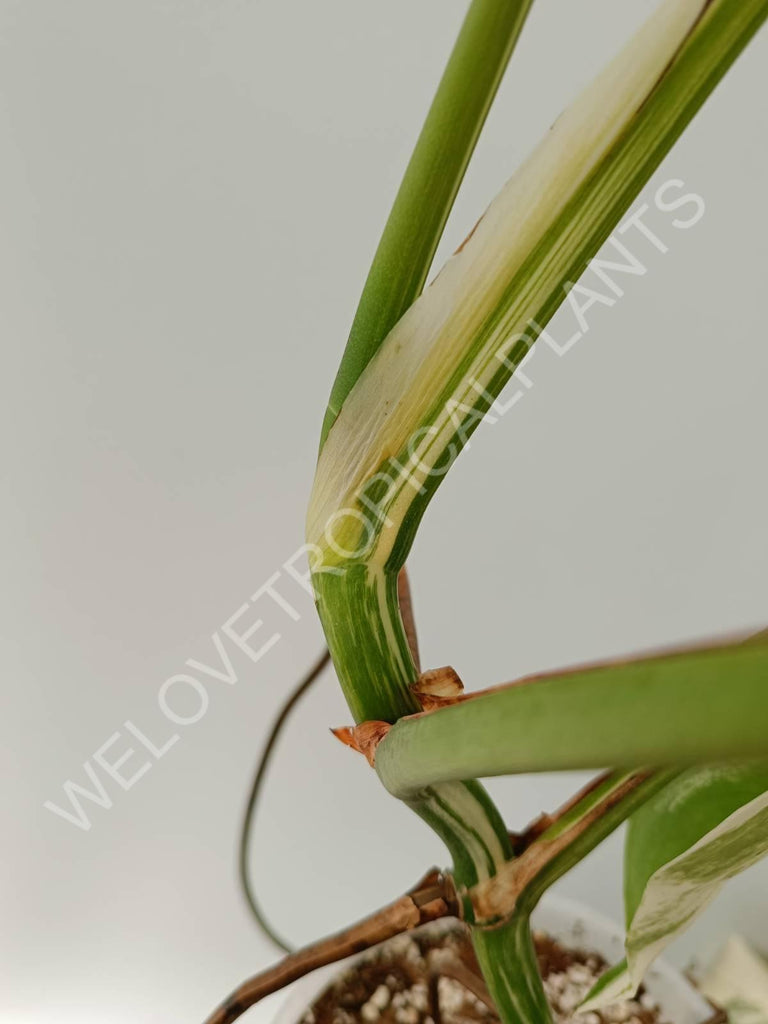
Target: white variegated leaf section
<point>677,892</point>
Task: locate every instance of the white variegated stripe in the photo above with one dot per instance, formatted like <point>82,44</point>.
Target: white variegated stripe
<point>455,806</point>
<point>508,960</point>
<point>677,892</point>
<point>392,649</point>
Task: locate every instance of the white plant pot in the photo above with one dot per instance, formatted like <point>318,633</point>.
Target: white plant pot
<point>574,926</point>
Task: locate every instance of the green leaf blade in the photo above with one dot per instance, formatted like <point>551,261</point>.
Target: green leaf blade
<point>678,817</point>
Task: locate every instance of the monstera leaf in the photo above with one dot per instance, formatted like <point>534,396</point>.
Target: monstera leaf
<point>702,829</point>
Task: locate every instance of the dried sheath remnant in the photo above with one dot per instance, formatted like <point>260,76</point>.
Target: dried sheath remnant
<point>363,738</point>
<point>438,688</point>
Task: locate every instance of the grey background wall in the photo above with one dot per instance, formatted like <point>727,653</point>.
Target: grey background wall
<point>191,193</point>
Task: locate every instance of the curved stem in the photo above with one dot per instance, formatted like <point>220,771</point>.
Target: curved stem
<point>361,617</point>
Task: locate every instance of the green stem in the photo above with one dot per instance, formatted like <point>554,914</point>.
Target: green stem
<point>697,706</point>
<point>359,608</point>
<point>507,958</point>
<point>431,181</point>
<point>361,618</point>
<point>365,633</point>
<point>604,806</point>
<point>506,954</point>
<point>592,820</point>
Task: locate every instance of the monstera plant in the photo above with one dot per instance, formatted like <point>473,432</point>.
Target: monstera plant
<point>679,737</point>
